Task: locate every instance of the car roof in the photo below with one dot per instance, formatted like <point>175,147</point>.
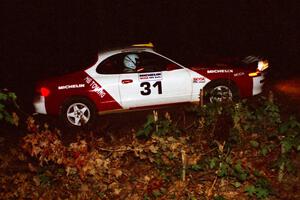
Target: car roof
<point>126,49</point>
<point>135,47</point>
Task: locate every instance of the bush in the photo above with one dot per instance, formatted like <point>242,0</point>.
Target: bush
<point>8,101</point>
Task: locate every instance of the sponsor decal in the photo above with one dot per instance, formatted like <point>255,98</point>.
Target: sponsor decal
<point>217,71</point>
<point>95,87</point>
<point>199,80</point>
<point>150,76</point>
<point>239,74</point>
<point>66,87</point>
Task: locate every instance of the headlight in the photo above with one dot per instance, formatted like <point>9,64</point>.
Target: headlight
<point>262,65</point>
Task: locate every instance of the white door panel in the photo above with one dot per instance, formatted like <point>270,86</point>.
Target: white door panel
<point>110,84</point>
<point>177,86</point>
<point>155,88</point>
<point>129,89</point>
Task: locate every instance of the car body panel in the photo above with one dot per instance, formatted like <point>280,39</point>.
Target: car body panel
<point>112,92</point>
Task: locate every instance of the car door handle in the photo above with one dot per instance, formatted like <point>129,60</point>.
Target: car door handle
<point>126,81</point>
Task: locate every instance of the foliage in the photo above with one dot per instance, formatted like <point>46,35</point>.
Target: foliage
<point>227,167</point>
<point>243,117</point>
<point>157,126</point>
<point>219,197</point>
<point>7,99</point>
<point>289,141</point>
<point>262,120</point>
<point>168,165</point>
<point>290,131</point>
<point>77,159</point>
<point>46,145</point>
<point>268,114</point>
<point>261,189</point>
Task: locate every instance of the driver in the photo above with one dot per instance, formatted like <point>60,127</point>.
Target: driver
<point>130,62</point>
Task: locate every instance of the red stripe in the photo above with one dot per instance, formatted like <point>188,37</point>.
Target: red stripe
<point>103,100</point>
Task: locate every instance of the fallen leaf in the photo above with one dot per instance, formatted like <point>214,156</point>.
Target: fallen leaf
<point>84,188</point>
<point>153,149</point>
<point>117,172</point>
<point>147,178</point>
<point>22,157</point>
<point>193,159</point>
<point>36,180</point>
<point>174,146</point>
<point>117,191</point>
<point>32,168</point>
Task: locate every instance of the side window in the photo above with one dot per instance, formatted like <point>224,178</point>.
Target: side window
<point>118,64</point>
<point>150,62</point>
<point>133,62</point>
<point>111,65</point>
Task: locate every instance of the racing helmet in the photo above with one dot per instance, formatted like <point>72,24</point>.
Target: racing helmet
<point>130,61</point>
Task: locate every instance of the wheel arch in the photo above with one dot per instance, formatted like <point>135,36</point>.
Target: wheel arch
<point>69,120</point>
<point>219,82</point>
<point>225,81</point>
<point>72,97</point>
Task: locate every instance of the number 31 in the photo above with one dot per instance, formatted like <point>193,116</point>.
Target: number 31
<point>147,87</point>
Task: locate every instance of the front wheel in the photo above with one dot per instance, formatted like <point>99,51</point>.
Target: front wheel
<point>78,112</point>
<point>220,92</point>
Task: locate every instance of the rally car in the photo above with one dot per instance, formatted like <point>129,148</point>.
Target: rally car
<point>138,77</point>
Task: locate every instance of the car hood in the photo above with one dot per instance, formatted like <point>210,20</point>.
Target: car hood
<point>227,62</point>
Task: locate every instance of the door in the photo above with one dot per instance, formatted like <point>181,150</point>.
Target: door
<point>154,81</point>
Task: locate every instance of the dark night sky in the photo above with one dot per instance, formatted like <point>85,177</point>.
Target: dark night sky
<point>41,38</point>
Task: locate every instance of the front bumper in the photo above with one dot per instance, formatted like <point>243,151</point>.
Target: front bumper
<point>258,83</point>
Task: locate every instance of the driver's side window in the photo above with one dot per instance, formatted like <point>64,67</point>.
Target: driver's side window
<point>119,63</point>
<point>135,62</point>
<point>150,62</point>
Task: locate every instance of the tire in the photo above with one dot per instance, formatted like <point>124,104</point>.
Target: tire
<point>78,112</point>
<point>220,91</point>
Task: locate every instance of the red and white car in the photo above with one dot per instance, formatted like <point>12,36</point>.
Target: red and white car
<point>138,77</point>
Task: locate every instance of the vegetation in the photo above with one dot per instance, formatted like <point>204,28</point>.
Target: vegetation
<point>240,150</point>
<point>7,100</point>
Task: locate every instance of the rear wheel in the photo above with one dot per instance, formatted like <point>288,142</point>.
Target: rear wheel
<point>78,112</point>
<point>220,92</point>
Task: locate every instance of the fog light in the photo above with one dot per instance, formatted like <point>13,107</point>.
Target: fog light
<point>254,74</point>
